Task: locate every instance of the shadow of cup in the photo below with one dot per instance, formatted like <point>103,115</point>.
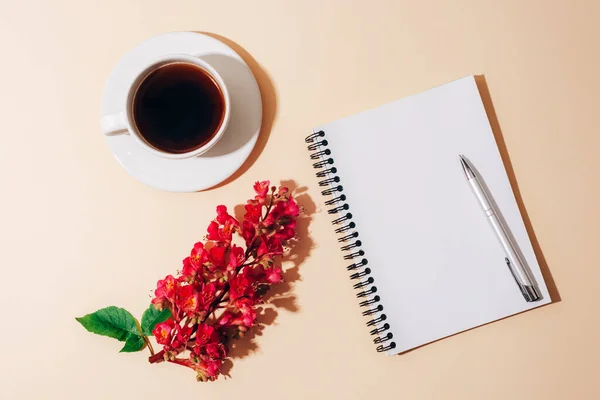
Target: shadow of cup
<point>246,111</point>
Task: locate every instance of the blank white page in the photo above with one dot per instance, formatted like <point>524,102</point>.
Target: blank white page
<point>437,265</point>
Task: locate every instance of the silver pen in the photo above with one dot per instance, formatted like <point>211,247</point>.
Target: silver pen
<point>513,259</point>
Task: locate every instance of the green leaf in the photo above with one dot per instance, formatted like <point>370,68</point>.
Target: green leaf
<point>116,323</point>
<point>152,317</point>
<point>133,343</point>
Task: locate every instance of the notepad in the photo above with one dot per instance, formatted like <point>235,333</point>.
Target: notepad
<point>420,254</point>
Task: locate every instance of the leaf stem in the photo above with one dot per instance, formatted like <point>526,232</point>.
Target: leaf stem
<point>149,345</point>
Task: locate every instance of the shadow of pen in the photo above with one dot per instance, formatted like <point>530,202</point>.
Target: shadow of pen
<point>491,114</point>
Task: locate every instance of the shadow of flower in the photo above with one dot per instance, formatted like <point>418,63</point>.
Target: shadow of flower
<point>280,296</point>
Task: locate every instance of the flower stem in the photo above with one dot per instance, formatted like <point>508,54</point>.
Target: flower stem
<point>158,357</point>
<point>269,208</point>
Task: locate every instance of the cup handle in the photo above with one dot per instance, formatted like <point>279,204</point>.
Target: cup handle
<point>113,124</point>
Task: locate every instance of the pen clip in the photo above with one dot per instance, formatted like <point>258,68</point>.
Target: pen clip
<point>512,272</point>
<point>529,292</point>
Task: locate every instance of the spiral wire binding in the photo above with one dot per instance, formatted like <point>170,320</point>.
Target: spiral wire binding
<point>317,144</point>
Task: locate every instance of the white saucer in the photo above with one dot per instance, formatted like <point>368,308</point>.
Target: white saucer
<point>220,162</point>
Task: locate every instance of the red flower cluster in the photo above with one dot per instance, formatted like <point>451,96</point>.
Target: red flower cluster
<point>213,298</point>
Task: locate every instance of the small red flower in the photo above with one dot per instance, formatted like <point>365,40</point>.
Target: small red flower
<point>205,334</point>
<point>239,286</point>
<point>244,303</point>
<point>274,245</point>
<point>236,257</point>
<point>273,275</point>
<point>183,334</point>
<point>189,300</point>
<point>247,313</point>
<point>248,232</point>
<point>207,295</point>
<point>286,232</point>
<point>248,317</point>
<point>198,255</point>
<point>162,331</point>
<point>225,318</point>
<point>292,209</point>
<point>262,188</point>
<point>215,351</point>
<point>253,213</point>
<point>213,231</point>
<point>270,245</point>
<point>190,270</point>
<point>222,214</point>
<point>227,231</point>
<point>283,213</point>
<point>217,257</point>
<point>262,248</point>
<point>245,317</point>
<point>221,230</point>
<point>255,273</point>
<point>166,288</point>
<point>211,367</point>
<point>160,303</point>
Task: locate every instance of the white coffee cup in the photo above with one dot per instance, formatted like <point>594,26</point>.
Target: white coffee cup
<point>123,121</point>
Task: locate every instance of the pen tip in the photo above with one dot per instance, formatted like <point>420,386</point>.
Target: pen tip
<point>466,167</point>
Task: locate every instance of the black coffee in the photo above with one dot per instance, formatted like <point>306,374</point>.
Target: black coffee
<point>178,108</point>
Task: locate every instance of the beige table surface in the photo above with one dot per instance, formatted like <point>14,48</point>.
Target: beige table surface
<point>79,233</point>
